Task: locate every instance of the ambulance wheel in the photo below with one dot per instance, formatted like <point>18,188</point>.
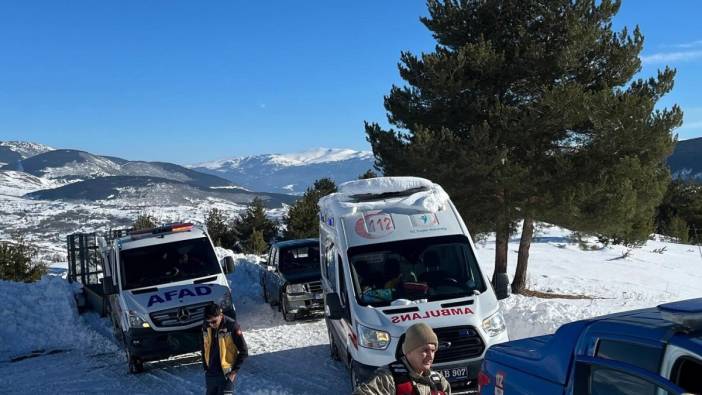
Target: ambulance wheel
<point>135,364</point>
<point>333,350</point>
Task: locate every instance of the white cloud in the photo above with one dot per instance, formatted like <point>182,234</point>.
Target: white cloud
<point>663,57</point>
<point>692,44</point>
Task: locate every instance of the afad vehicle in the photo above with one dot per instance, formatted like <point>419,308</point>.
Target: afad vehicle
<point>394,252</point>
<point>158,282</point>
<point>655,351</point>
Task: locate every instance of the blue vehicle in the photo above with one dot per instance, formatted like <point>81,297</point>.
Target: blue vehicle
<point>653,351</point>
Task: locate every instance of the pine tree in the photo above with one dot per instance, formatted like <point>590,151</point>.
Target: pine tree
<point>144,221</point>
<point>368,174</point>
<point>220,229</point>
<point>681,209</point>
<point>16,261</point>
<point>254,218</point>
<point>256,244</point>
<point>302,220</point>
<point>526,110</point>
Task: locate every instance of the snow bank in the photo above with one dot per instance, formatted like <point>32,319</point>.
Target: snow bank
<point>43,315</point>
<point>382,185</point>
<point>429,197</point>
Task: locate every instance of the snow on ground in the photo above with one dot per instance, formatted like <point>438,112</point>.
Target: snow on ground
<point>293,358</point>
<point>645,278</point>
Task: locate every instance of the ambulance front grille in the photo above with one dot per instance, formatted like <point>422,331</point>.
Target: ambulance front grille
<point>179,316</point>
<point>458,342</point>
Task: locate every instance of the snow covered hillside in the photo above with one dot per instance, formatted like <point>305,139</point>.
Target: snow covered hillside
<point>290,173</point>
<point>77,353</point>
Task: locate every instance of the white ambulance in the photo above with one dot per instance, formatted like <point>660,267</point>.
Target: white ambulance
<point>394,252</point>
<point>158,283</point>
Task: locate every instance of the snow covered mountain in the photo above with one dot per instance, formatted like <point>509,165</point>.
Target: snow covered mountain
<point>290,173</point>
<point>67,165</point>
<point>49,193</point>
<point>686,161</point>
<point>13,151</point>
<point>25,148</point>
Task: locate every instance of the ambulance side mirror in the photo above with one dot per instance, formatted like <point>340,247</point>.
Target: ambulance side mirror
<point>332,306</point>
<point>108,288</point>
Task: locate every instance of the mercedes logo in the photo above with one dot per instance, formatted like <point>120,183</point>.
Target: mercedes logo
<point>183,314</point>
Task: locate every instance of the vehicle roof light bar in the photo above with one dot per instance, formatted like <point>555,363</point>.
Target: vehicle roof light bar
<point>686,313</point>
<point>167,228</point>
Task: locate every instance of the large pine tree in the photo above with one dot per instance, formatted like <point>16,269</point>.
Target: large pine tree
<point>527,110</point>
<point>302,220</point>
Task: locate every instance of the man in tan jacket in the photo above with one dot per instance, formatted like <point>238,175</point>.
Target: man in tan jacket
<point>412,373</point>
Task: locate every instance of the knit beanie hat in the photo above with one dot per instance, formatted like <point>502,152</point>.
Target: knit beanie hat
<point>418,335</point>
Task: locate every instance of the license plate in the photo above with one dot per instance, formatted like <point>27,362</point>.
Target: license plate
<point>455,374</point>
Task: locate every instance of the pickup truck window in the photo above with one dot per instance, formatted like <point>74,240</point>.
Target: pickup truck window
<point>167,263</point>
<point>604,381</point>
<point>687,374</point>
<point>643,356</point>
<point>303,258</point>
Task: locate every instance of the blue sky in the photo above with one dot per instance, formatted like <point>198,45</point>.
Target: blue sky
<point>187,81</point>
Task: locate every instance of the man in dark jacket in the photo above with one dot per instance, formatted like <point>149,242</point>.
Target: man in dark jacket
<point>223,351</point>
<point>411,374</point>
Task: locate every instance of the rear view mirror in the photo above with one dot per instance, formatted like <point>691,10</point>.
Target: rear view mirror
<point>228,264</point>
<point>332,306</point>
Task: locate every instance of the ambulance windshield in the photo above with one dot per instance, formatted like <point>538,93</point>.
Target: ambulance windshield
<point>167,263</point>
<point>436,268</point>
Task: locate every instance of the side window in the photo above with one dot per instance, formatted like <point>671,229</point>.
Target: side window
<point>686,374</point>
<point>343,289</point>
<point>330,267</point>
<point>643,356</point>
<point>604,381</point>
<point>343,294</point>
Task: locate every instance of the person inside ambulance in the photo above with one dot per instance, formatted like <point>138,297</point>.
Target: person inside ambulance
<point>433,274</point>
<point>393,274</point>
<point>412,373</point>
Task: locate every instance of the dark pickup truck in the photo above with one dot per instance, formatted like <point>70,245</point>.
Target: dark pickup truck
<point>292,280</point>
<point>653,351</point>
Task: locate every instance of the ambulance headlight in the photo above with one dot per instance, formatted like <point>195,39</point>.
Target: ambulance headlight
<point>373,338</point>
<point>136,321</point>
<point>295,288</point>
<point>225,302</point>
<point>495,324</point>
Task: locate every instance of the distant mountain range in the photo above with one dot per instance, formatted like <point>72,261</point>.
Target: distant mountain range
<point>39,172</point>
<point>686,161</point>
<point>13,151</point>
<point>290,173</point>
